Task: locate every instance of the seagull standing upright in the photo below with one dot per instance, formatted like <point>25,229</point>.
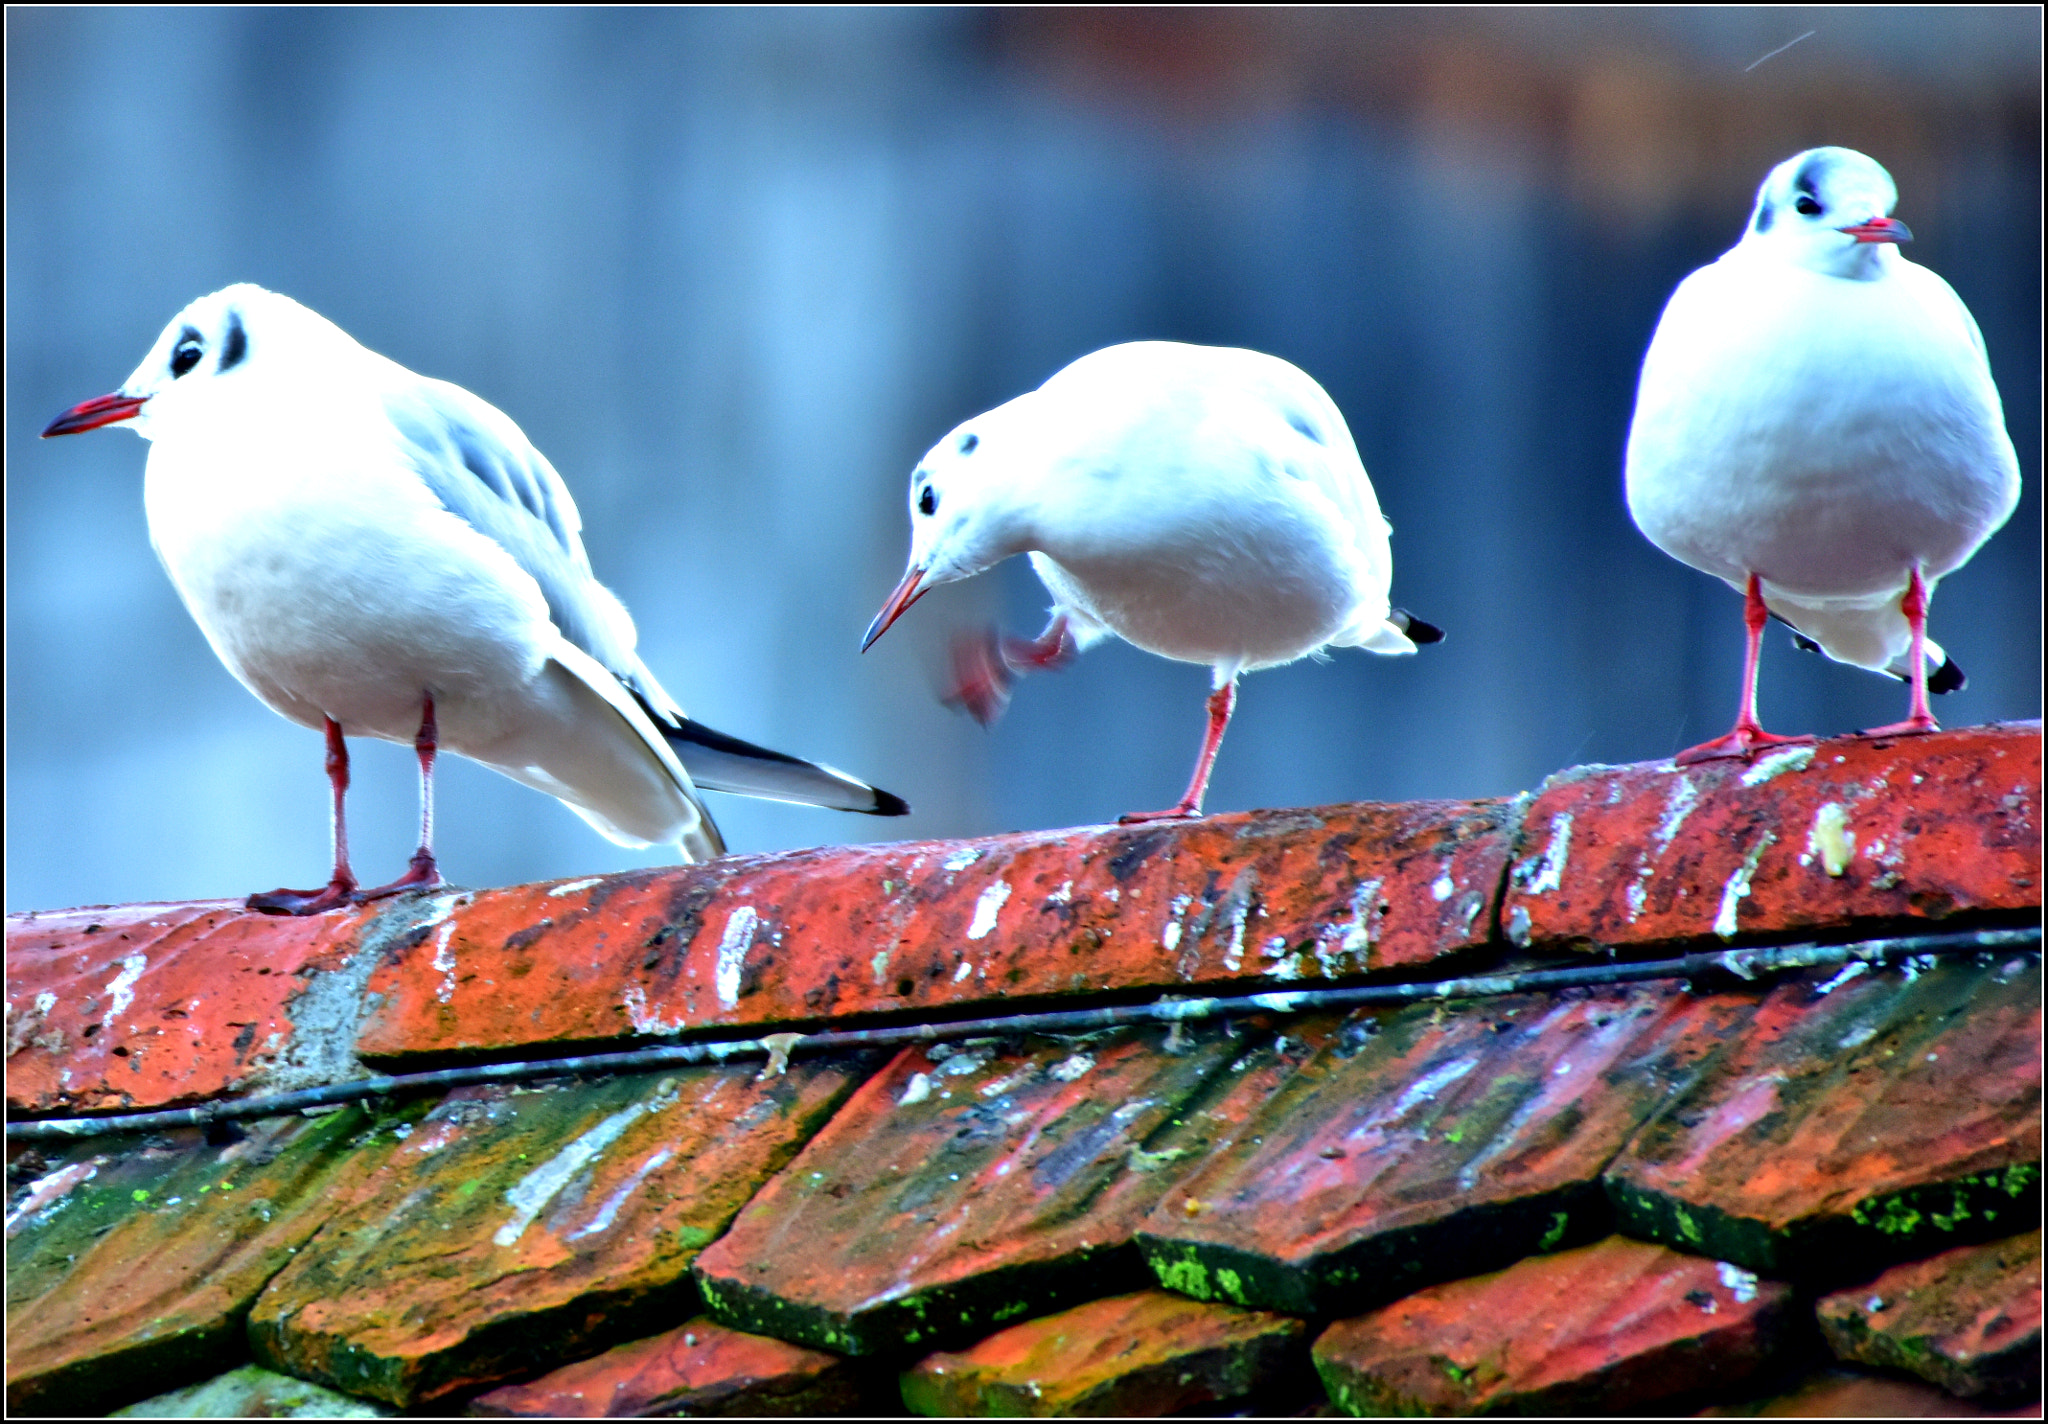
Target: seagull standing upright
<point>376,553</point>
<point>1203,503</point>
<point>1816,425</point>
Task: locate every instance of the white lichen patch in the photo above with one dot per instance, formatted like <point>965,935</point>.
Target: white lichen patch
<point>964,972</point>
<point>1062,896</point>
<point>531,1194</point>
<point>733,945</point>
<point>1677,806</point>
<point>1830,839</point>
<point>880,965</point>
<point>1068,1069</point>
<point>1541,876</point>
<point>444,961</point>
<point>916,1091</point>
<point>121,987</point>
<point>960,859</point>
<point>1518,926</point>
<point>1737,889</point>
<point>986,908</point>
<point>1169,938</point>
<point>571,887</point>
<point>609,1211</point>
<point>1777,764</point>
<point>647,1020</point>
<point>1443,887</point>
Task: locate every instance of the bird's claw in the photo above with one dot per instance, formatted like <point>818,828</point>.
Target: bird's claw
<point>982,676</point>
<point>1743,742</point>
<point>333,896</point>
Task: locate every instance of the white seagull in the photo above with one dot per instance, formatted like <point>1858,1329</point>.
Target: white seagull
<point>1816,424</point>
<point>1204,503</point>
<point>376,553</point>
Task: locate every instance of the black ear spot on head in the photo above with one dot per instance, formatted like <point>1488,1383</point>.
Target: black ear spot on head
<point>968,442</point>
<point>237,344</point>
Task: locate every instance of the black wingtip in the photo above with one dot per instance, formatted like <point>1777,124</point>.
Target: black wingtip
<point>1418,631</point>
<point>1804,643</point>
<point>1947,678</point>
<point>888,804</point>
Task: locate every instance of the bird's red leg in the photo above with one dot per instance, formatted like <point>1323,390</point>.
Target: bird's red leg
<point>341,889</point>
<point>1919,718</point>
<point>1222,702</point>
<point>422,874</point>
<point>1748,736</point>
<point>986,664</point>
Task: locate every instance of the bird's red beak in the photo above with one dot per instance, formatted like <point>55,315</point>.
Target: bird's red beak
<point>92,414</point>
<point>907,593</point>
<point>1879,230</point>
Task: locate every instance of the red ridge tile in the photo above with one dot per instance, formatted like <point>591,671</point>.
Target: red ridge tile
<point>1146,1354</point>
<point>146,1006</point>
<point>1968,1320</point>
<point>509,1230</point>
<point>1279,895</point>
<point>1455,1138</point>
<point>1854,833</point>
<point>1863,1116</point>
<point>1606,1328</point>
<point>700,1367</point>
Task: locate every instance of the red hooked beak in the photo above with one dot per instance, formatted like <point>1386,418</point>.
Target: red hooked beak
<point>907,593</point>
<point>92,414</point>
<point>1879,230</point>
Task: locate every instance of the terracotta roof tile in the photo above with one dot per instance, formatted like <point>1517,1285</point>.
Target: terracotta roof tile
<point>1968,1320</point>
<point>1607,1328</point>
<point>1148,1353</point>
<point>1851,834</point>
<point>700,1367</point>
<point>141,1270</point>
<point>951,1196</point>
<point>1456,1138</point>
<point>505,1226</point>
<point>1048,1208</point>
<point>850,930</point>
<point>1860,1118</point>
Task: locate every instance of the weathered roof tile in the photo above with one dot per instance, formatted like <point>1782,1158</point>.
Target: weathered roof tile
<point>700,1367</point>
<point>1606,1328</point>
<point>505,1231</point>
<point>853,930</point>
<point>1968,1320</point>
<point>1861,1117</point>
<point>1851,834</point>
<point>143,1265</point>
<point>1456,1138</point>
<point>145,1006</point>
<point>956,1191</point>
<point>1149,1353</point>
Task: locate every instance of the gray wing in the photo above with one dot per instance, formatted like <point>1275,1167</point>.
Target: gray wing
<point>484,470</point>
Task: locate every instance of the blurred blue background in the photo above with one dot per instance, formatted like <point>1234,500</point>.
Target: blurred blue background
<point>734,271</point>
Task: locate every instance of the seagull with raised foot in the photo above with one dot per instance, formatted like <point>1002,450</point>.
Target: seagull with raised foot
<point>1203,503</point>
<point>376,553</point>
<point>1816,425</point>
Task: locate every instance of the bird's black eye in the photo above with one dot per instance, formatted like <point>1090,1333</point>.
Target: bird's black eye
<point>927,500</point>
<point>1808,207</point>
<point>967,444</point>
<point>184,358</point>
